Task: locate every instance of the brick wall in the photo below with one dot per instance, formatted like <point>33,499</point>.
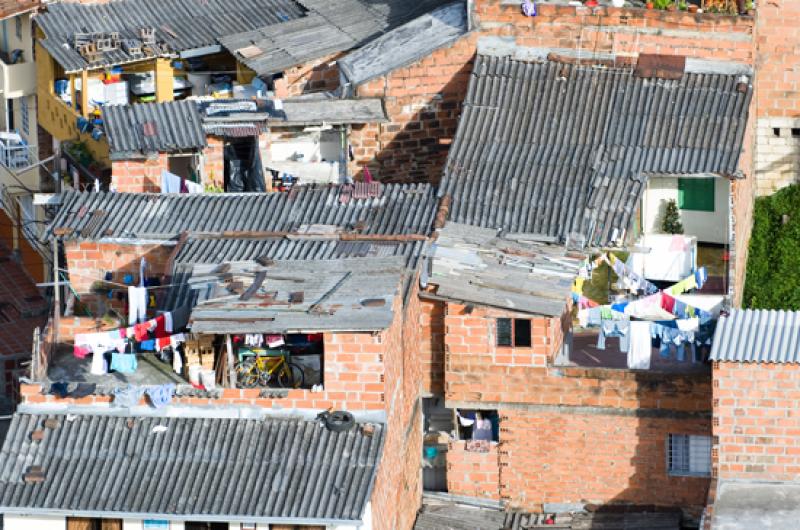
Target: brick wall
<point>603,458</point>
<point>431,346</point>
<point>620,30</point>
<point>570,434</point>
<point>139,176</point>
<point>423,102</point>
<point>756,424</point>
<point>473,474</point>
<point>777,98</point>
<point>398,486</point>
<point>321,75</point>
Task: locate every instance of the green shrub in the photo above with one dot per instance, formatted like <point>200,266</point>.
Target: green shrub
<point>773,264</point>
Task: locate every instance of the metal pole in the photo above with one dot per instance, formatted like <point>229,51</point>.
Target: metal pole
<point>231,363</point>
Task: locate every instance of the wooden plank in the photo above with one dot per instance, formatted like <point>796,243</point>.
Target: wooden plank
<point>254,287</point>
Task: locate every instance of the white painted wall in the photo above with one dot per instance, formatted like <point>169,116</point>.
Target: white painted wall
<point>33,522</point>
<point>708,227</point>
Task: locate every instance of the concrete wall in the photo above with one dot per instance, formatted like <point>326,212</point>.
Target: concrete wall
<point>709,227</point>
<point>30,522</point>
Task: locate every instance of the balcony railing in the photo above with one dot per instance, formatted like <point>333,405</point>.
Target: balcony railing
<point>15,153</point>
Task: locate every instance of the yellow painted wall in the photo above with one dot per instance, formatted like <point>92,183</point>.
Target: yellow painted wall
<point>55,116</point>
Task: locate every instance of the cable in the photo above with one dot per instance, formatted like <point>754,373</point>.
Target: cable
<point>116,283</point>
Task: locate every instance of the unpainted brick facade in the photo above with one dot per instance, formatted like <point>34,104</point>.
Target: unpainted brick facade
<point>567,434</point>
<point>362,372</point>
<point>756,421</point>
<point>140,175</point>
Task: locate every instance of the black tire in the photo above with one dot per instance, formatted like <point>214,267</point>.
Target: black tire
<point>339,421</point>
<point>291,376</point>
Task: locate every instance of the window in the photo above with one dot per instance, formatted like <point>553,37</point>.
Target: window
<point>514,332</point>
<point>696,194</point>
<point>18,26</point>
<point>478,425</point>
<point>688,454</point>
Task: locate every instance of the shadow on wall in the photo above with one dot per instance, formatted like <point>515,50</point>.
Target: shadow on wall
<point>413,145</point>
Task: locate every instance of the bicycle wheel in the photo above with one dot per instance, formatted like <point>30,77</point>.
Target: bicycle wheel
<point>246,374</point>
<point>290,376</point>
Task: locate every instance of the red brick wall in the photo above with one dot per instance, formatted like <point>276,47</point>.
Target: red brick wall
<point>778,80</point>
<point>398,487</point>
<point>88,261</point>
<point>139,176</point>
<point>423,102</point>
<point>321,75</point>
<point>569,434</point>
<point>756,424</point>
<point>563,457</point>
<point>431,346</point>
<point>620,30</point>
<point>473,474</point>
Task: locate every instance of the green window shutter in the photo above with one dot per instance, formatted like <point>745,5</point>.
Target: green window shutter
<point>696,194</point>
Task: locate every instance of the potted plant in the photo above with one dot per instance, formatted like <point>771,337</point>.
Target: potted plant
<point>682,6</point>
<point>693,8</point>
<point>649,5</point>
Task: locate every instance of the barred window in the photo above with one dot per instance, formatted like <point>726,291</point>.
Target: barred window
<point>689,454</point>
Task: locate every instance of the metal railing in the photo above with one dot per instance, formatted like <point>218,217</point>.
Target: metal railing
<point>17,156</point>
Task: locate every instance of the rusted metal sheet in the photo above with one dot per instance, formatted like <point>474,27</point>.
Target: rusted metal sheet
<point>651,65</point>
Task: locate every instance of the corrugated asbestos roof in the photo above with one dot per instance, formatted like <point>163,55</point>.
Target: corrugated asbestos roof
<point>333,111</point>
<point>329,27</point>
<point>757,335</point>
<point>355,295</point>
<point>180,24</point>
<point>400,209</point>
<point>556,148</point>
<point>221,250</point>
<point>176,126</point>
<point>471,264</point>
<point>269,470</point>
<point>406,44</point>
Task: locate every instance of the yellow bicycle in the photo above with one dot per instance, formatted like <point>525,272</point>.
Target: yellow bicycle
<point>264,369</point>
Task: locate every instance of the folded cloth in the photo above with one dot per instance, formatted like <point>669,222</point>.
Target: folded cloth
<point>160,395</point>
<point>59,389</point>
<point>124,363</point>
<point>83,390</point>
<point>127,396</point>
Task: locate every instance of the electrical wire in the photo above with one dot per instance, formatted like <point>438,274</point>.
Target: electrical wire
<point>91,277</point>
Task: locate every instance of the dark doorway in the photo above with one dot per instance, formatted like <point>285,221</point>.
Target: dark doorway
<point>243,169</point>
<point>194,525</point>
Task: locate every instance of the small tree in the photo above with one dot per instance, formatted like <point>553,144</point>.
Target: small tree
<point>671,223</point>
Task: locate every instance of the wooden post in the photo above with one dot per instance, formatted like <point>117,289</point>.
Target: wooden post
<point>231,363</point>
<point>56,292</point>
<point>73,96</point>
<point>164,80</point>
<point>85,93</point>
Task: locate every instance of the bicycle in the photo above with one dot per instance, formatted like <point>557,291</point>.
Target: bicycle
<point>261,370</point>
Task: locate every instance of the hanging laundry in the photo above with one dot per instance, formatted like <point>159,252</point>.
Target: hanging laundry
<point>275,341</point>
<point>667,302</point>
<point>160,395</point>
<point>137,304</point>
<point>640,345</point>
<point>99,364</point>
<point>127,396</point>
<point>124,363</point>
<point>701,277</point>
<point>614,328</point>
<point>160,330</point>
<point>168,322</point>
<point>59,389</point>
<point>83,390</point>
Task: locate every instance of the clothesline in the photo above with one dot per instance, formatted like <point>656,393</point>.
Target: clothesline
<point>116,283</point>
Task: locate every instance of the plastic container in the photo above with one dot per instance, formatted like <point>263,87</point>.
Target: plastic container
<point>194,374</point>
<point>208,378</point>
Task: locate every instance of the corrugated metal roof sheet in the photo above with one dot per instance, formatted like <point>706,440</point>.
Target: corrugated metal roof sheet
<point>400,209</point>
<point>757,335</point>
<point>176,126</point>
<point>406,44</point>
<point>329,27</point>
<point>356,295</point>
<point>180,24</point>
<point>556,148</point>
<point>471,264</point>
<point>270,470</point>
